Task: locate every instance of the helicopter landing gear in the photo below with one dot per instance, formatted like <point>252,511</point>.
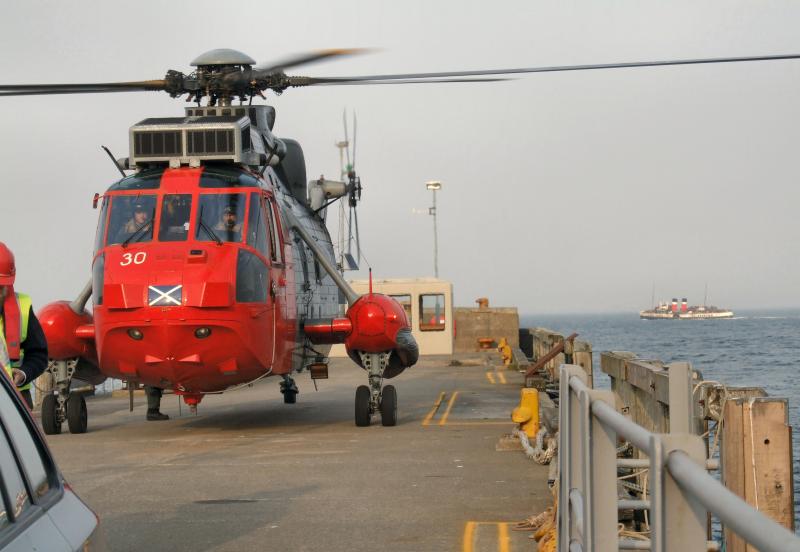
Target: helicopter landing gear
<point>373,399</point>
<point>59,405</point>
<point>51,424</point>
<point>289,390</point>
<point>77,415</point>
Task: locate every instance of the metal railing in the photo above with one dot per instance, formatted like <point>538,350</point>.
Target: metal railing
<point>681,492</point>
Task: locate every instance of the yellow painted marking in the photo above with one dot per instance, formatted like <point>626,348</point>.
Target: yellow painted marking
<point>502,377</point>
<point>502,537</point>
<point>449,408</point>
<point>433,411</point>
<point>509,422</point>
<point>490,377</point>
<point>469,536</point>
<point>503,540</point>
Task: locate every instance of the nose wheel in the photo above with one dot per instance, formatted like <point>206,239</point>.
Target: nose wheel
<point>60,405</point>
<point>375,398</point>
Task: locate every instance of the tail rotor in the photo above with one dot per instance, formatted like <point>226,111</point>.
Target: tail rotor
<point>351,261</point>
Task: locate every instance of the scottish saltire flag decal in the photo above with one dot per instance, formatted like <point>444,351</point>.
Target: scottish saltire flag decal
<point>164,296</point>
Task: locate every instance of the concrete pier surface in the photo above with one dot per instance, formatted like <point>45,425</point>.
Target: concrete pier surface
<point>249,472</point>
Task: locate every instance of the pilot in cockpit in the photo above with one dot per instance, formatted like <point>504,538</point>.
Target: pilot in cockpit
<point>229,225</point>
<point>139,223</point>
<point>139,219</point>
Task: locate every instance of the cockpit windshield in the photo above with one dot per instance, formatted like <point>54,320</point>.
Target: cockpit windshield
<point>220,217</point>
<point>131,219</point>
<point>175,212</point>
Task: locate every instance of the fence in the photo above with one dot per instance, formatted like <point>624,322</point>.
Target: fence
<point>681,492</point>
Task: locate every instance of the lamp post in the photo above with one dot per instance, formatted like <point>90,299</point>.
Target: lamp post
<point>433,186</point>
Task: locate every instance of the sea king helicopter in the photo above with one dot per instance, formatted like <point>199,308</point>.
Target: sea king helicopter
<point>212,266</point>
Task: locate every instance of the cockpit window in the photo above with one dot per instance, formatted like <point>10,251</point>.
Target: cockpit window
<point>220,217</point>
<point>218,177</point>
<point>101,225</point>
<point>175,215</point>
<point>131,219</point>
<point>148,179</point>
<point>257,229</point>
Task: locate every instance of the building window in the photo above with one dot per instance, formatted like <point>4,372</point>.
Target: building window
<point>431,312</point>
<point>405,302</point>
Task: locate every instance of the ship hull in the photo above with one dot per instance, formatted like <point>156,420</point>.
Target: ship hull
<point>704,315</point>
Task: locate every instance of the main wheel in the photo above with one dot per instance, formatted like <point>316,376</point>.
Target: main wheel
<point>50,422</point>
<point>77,417</point>
<point>389,406</point>
<point>289,397</point>
<point>363,396</point>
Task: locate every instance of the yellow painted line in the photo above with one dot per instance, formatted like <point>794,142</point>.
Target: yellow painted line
<point>433,411</point>
<point>502,537</point>
<point>449,408</point>
<point>509,422</point>
<point>469,536</point>
<point>502,377</point>
<point>489,522</point>
<point>490,377</point>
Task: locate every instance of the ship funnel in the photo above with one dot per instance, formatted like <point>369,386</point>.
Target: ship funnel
<point>674,304</point>
<point>684,305</point>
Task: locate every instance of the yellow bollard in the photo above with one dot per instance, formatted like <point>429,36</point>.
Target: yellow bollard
<point>527,413</point>
<point>505,351</point>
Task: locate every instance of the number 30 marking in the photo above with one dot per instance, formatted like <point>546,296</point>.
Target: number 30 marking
<point>138,258</point>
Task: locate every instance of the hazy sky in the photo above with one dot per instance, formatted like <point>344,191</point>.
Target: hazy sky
<point>561,192</point>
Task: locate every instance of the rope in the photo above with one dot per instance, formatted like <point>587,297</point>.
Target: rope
<point>638,535</point>
<point>717,414</point>
<point>538,454</point>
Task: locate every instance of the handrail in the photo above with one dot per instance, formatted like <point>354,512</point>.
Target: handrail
<point>746,521</point>
<point>681,492</point>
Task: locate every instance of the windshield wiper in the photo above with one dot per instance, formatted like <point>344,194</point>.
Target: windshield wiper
<point>208,230</point>
<point>138,232</point>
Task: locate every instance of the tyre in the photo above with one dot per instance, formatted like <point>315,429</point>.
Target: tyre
<point>389,406</point>
<point>363,396</point>
<point>289,397</point>
<point>50,423</point>
<point>77,416</point>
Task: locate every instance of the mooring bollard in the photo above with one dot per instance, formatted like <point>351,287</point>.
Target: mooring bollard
<point>527,413</point>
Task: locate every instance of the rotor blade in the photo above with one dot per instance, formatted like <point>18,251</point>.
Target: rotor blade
<point>306,58</point>
<point>312,81</point>
<point>358,237</point>
<point>355,130</point>
<point>350,230</point>
<point>34,89</point>
<point>446,74</point>
<point>35,92</point>
<point>346,138</point>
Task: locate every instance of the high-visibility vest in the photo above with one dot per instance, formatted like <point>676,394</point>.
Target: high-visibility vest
<point>24,302</point>
<point>5,361</point>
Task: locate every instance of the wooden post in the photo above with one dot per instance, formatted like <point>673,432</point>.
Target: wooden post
<point>757,460</point>
<point>583,358</point>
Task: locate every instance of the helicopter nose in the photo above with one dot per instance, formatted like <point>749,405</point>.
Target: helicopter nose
<point>185,356</point>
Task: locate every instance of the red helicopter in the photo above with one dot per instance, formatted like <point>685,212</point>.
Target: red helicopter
<point>212,266</point>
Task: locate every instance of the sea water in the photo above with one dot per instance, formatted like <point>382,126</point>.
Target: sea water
<point>753,349</point>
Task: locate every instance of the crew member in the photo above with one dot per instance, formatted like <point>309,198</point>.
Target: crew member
<point>154,404</point>
<point>139,219</point>
<point>137,224</point>
<point>25,340</point>
<point>230,225</point>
